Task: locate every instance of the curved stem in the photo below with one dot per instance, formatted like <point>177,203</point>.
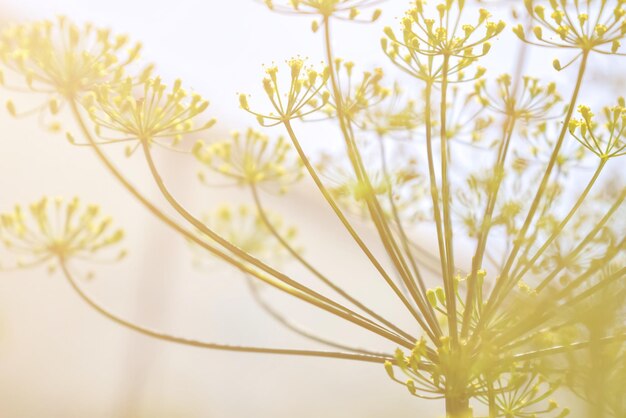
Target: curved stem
<point>403,236</point>
<point>564,222</point>
<point>471,302</point>
<point>225,257</point>
<point>504,284</point>
<point>297,329</point>
<point>375,210</point>
<point>349,228</point>
<point>208,345</point>
<point>268,223</point>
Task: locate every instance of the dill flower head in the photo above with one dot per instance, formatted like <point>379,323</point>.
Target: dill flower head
<point>394,116</point>
<point>606,141</point>
<point>358,95</point>
<point>245,227</point>
<point>301,99</point>
<point>538,145</point>
<point>599,27</point>
<point>443,36</point>
<point>251,159</point>
<point>530,101</point>
<point>149,113</point>
<point>59,57</point>
<point>466,119</point>
<point>54,229</point>
<point>341,9</point>
<point>399,189</point>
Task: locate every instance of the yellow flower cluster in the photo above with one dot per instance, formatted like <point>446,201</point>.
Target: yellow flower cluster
<point>244,227</point>
<point>598,27</point>
<point>301,99</point>
<point>54,229</point>
<point>357,95</point>
<point>530,102</point>
<point>147,113</point>
<point>392,116</point>
<point>342,9</point>
<point>61,58</point>
<point>423,38</point>
<point>609,143</point>
<point>251,159</point>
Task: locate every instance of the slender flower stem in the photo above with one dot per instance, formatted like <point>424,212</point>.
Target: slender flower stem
<point>403,235</point>
<point>371,358</point>
<point>296,255</point>
<point>376,212</point>
<point>471,302</point>
<point>504,283</point>
<point>228,259</point>
<point>448,276</point>
<point>325,301</point>
<point>285,321</point>
<point>318,182</point>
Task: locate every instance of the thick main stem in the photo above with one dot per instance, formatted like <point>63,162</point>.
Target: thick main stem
<point>457,406</point>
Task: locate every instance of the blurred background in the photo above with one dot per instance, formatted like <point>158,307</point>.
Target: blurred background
<point>60,359</point>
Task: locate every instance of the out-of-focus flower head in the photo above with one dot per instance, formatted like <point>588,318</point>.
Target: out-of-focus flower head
<point>301,99</point>
<point>605,141</point>
<point>244,227</point>
<point>61,58</point>
<point>392,116</point>
<point>597,26</point>
<point>251,159</point>
<point>403,184</point>
<point>529,101</point>
<point>536,149</point>
<point>49,230</point>
<point>149,112</point>
<point>340,9</point>
<point>358,95</point>
<point>466,120</point>
<point>425,38</point>
<point>525,393</point>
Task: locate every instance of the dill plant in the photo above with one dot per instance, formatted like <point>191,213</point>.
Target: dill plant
<point>544,292</point>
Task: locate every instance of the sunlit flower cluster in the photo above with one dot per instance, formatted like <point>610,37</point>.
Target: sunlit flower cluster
<point>63,59</point>
<point>245,227</point>
<point>394,116</point>
<point>148,113</point>
<point>52,229</point>
<point>594,25</point>
<point>605,141</point>
<point>358,94</point>
<point>302,98</point>
<point>531,101</point>
<point>498,250</point>
<point>423,38</point>
<point>342,9</point>
<point>250,158</point>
